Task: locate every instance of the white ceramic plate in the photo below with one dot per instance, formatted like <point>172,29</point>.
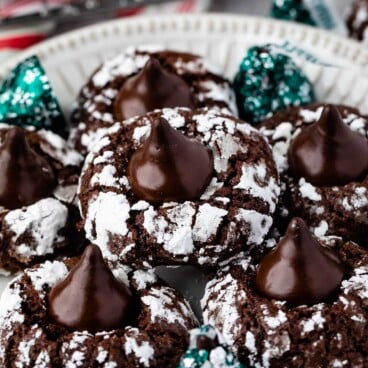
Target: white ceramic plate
<point>69,59</point>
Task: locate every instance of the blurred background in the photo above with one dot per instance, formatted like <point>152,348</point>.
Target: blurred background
<point>26,22</point>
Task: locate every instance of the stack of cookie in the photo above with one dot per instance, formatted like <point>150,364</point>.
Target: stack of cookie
<point>160,170</point>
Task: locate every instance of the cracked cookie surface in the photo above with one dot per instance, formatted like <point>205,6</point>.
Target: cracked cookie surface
<point>233,214</point>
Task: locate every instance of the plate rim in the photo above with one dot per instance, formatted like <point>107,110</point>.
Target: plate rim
<point>92,32</point>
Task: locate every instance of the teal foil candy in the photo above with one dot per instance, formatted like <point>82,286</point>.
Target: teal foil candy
<point>268,81</point>
<point>219,357</point>
<point>27,99</point>
<point>293,10</point>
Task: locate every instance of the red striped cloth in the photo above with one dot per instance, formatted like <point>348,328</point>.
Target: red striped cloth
<point>16,38</point>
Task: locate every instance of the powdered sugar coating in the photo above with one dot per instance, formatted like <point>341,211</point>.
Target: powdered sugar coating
<point>344,209</point>
<point>44,220</point>
<point>25,337</point>
<point>268,333</point>
<point>95,103</point>
<point>40,229</point>
<point>234,212</point>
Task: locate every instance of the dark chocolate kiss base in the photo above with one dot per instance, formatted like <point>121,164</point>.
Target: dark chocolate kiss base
<point>339,210</point>
<point>47,227</point>
<point>233,214</point>
<point>158,338</point>
<point>269,333</point>
<point>95,110</point>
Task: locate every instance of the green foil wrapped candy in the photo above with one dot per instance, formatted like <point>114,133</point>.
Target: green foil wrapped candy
<point>293,10</point>
<point>27,99</point>
<point>268,81</point>
<point>208,350</point>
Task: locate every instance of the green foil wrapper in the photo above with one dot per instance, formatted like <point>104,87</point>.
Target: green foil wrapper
<point>27,99</point>
<point>269,81</point>
<point>293,10</point>
<point>220,356</point>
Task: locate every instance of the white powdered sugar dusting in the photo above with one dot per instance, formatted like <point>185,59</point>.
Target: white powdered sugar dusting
<point>122,65</point>
<point>104,158</point>
<point>309,116</point>
<point>162,304</point>
<point>211,189</point>
<point>273,321</point>
<point>42,360</point>
<point>207,222</point>
<point>176,237</point>
<point>259,224</point>
<point>144,278</point>
<point>57,148</point>
<point>42,220</point>
<point>279,346</point>
<point>177,227</point>
<point>250,342</point>
<point>106,177</point>
<point>253,182</point>
<point>217,356</point>
<point>78,348</point>
<point>142,350</point>
<point>358,283</point>
<point>24,348</point>
<point>48,273</point>
<point>176,120</point>
<point>224,147</point>
<point>141,132</point>
<point>140,206</point>
<point>102,355</point>
<point>314,323</point>
<point>11,304</point>
<point>357,200</point>
<point>321,229</point>
<point>307,190</point>
<point>218,92</point>
<point>107,214</point>
<point>221,311</point>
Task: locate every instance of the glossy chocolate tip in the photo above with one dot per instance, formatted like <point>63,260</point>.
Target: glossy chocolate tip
<point>300,270</point>
<point>322,153</point>
<point>152,88</point>
<point>90,298</point>
<point>25,176</point>
<point>330,120</point>
<point>169,167</point>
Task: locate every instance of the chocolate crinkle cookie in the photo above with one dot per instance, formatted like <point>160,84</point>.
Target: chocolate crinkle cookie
<point>303,305</point>
<point>39,176</point>
<point>141,80</point>
<point>178,187</point>
<point>78,313</point>
<point>322,155</point>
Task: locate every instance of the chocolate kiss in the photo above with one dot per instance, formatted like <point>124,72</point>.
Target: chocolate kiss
<point>169,166</point>
<point>152,88</point>
<point>299,270</point>
<point>90,298</point>
<point>25,176</point>
<point>328,152</point>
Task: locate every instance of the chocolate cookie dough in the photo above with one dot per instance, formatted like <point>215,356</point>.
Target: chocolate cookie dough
<point>227,193</point>
<point>39,176</point>
<point>321,153</point>
<point>141,80</point>
<point>304,305</point>
<point>64,314</point>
